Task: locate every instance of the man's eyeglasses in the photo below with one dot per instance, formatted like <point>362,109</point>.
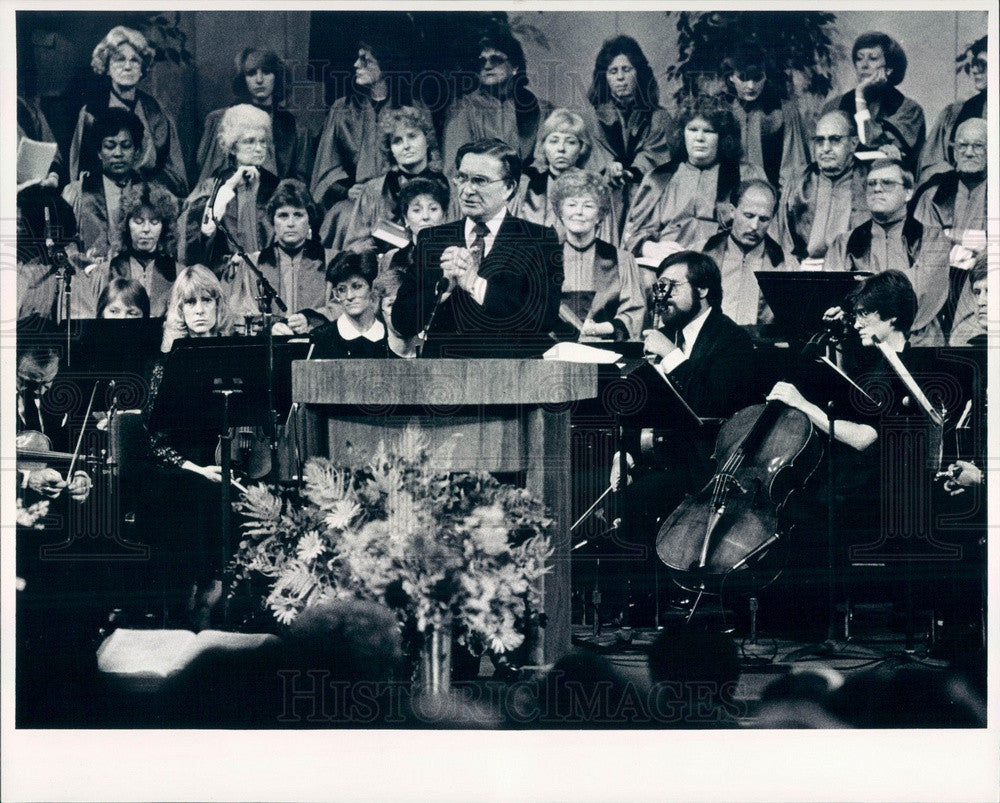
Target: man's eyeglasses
<point>477,182</point>
<point>882,183</point>
<point>834,139</point>
<point>485,62</point>
<point>973,147</point>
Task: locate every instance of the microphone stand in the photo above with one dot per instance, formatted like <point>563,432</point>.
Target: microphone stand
<point>439,290</point>
<point>266,296</point>
<point>65,271</point>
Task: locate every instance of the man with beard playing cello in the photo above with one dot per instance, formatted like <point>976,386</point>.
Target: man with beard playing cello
<point>709,360</point>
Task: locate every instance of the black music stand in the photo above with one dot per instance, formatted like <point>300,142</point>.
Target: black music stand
<point>798,299</point>
<point>219,383</point>
<point>116,347</point>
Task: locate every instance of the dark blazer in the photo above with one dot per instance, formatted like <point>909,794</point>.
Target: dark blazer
<point>719,377</point>
<point>524,280</point>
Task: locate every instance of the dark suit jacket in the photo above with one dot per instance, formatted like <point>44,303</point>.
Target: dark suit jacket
<point>524,278</point>
<point>719,377</point>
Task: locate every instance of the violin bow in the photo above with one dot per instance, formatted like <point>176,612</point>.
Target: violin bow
<point>83,429</point>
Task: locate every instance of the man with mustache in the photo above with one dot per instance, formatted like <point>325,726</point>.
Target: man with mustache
<point>744,248</point>
<point>709,360</point>
<point>827,198</point>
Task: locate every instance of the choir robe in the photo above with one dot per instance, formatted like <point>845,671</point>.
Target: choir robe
<point>95,203</point>
<point>533,201</point>
<point>638,139</point>
<point>299,279</point>
<point>681,203</point>
<point>290,158</point>
<point>349,152</point>
<point>873,247</point>
<point>773,145</point>
<point>602,283</point>
<point>246,219</point>
<point>378,202</point>
<point>948,208</point>
<point>31,123</point>
<point>741,297</point>
<point>937,154</point>
<point>479,115</point>
<point>159,155</point>
<point>895,120</point>
<point>157,278</point>
<point>814,210</point>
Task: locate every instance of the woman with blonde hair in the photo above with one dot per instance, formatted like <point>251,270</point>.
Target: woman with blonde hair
<point>601,284</point>
<point>182,501</point>
<point>410,146</point>
<point>120,61</point>
<point>238,193</point>
<point>564,142</point>
<point>197,307</point>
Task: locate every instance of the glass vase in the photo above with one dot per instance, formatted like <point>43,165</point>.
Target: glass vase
<point>434,662</point>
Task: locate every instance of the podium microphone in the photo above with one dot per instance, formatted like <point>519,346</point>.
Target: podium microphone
<point>440,288</point>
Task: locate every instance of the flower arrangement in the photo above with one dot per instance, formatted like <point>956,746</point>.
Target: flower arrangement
<point>32,515</point>
<point>403,531</point>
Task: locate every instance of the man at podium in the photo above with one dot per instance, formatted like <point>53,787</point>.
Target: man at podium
<point>489,284</point>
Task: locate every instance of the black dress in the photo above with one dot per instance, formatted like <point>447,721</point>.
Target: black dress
<point>181,514</point>
<point>340,339</point>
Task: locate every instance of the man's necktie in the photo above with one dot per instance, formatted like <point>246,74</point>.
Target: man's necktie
<point>679,342</point>
<point>32,418</point>
<point>478,248</point>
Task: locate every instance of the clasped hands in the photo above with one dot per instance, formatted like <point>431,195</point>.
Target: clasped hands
<point>460,268</point>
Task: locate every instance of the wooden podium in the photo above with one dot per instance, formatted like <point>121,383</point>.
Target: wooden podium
<point>502,415</point>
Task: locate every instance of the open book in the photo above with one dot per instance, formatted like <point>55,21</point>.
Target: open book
<point>33,161</point>
<point>144,659</point>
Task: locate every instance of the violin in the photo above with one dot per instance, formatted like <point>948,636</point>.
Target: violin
<point>34,452</point>
<point>250,452</point>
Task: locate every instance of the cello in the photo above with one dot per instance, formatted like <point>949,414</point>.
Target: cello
<point>764,454</point>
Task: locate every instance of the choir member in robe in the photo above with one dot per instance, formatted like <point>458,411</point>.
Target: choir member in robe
<point>885,119</point>
<point>260,80</point>
<point>147,221</point>
<point>563,143</point>
<point>120,60</point>
<point>293,262</point>
<point>937,153</point>
<point>631,132</point>
<point>410,146</point>
<point>745,248</point>
<point>422,203</point>
<point>952,208</point>
<point>601,283</point>
<point>96,195</point>
<point>773,144</point>
<point>892,239</point>
<point>349,152</point>
<point>236,195</point>
<point>500,106</point>
<point>827,198</point>
<point>682,203</point>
